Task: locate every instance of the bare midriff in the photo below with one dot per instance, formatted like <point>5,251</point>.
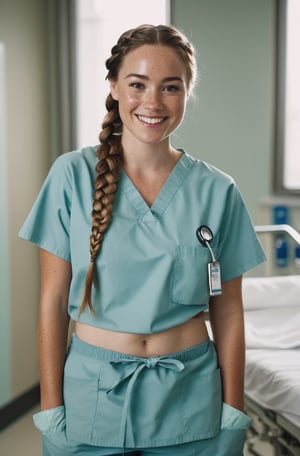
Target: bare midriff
<point>178,338</point>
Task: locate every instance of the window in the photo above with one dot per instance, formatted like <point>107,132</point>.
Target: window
<point>288,106</point>
<point>98,24</point>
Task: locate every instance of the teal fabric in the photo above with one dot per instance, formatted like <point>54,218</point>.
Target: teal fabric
<point>228,442</point>
<point>137,402</point>
<point>152,270</point>
<point>168,405</point>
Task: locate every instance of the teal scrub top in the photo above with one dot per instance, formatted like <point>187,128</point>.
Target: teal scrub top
<point>151,272</point>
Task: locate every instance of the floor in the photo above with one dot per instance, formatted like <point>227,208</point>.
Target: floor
<point>21,438</point>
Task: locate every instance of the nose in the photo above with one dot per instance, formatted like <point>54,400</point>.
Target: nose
<point>153,99</point>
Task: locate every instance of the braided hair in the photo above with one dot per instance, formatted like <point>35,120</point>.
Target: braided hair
<point>110,150</point>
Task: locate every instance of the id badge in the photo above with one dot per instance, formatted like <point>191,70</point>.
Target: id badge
<point>214,279</point>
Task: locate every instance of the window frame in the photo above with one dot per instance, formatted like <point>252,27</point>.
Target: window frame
<point>280,118</point>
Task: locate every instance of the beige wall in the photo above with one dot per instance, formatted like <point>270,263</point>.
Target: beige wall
<point>230,122</point>
<point>23,30</point>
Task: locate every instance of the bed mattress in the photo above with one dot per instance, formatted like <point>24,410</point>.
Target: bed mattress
<point>272,332</point>
<point>273,380</point>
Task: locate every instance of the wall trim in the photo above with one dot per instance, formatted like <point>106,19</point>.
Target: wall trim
<point>16,408</point>
<point>5,337</point>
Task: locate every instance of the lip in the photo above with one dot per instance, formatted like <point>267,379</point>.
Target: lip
<point>151,121</point>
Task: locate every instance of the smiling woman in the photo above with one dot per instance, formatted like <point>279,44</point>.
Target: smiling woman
<point>116,225</point>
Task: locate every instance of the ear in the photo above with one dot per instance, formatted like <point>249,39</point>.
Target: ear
<point>114,90</point>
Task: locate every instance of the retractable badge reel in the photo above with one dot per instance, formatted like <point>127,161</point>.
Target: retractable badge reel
<point>205,236</point>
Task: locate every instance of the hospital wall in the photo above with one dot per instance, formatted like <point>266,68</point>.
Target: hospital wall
<point>231,118</point>
<point>24,154</point>
<point>229,123</point>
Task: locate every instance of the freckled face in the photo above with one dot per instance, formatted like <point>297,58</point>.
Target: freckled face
<point>152,90</point>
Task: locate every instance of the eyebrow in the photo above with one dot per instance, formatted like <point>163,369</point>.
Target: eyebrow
<point>142,76</point>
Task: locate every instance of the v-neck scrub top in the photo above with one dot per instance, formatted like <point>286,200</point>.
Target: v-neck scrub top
<point>151,271</point>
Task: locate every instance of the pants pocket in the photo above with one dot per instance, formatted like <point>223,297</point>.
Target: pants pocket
<point>52,424</point>
<point>80,390</point>
<point>81,401</point>
<point>201,404</point>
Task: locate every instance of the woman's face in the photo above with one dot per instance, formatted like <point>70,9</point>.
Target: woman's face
<point>152,90</point>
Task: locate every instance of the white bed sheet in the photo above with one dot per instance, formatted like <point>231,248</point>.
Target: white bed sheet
<point>273,380</point>
<point>272,312</point>
<point>277,328</point>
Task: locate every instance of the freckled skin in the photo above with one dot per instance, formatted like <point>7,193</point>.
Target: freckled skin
<point>152,83</point>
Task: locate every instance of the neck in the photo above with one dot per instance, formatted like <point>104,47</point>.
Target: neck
<point>149,157</point>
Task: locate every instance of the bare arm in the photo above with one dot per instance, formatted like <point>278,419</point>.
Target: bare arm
<point>53,327</point>
<point>227,321</point>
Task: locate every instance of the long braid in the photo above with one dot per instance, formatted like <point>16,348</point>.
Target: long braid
<point>110,149</point>
<point>107,176</point>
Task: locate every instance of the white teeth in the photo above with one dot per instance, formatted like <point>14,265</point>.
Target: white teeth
<point>151,120</point>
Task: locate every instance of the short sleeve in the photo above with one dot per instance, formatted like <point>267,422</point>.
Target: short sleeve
<point>240,249</point>
<point>48,223</point>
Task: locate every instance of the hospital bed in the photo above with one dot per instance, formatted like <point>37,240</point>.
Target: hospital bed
<point>272,377</point>
<point>272,371</point>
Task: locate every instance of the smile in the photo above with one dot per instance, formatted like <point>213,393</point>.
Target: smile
<point>151,120</point>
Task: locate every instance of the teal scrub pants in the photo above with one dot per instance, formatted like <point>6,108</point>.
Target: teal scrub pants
<point>118,404</point>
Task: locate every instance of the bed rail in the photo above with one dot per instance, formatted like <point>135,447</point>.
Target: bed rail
<point>279,435</point>
<point>294,234</point>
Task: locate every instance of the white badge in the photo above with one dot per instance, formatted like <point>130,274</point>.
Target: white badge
<point>214,279</point>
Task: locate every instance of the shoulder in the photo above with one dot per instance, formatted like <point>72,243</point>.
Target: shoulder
<point>76,159</point>
<point>74,168</point>
<point>208,174</point>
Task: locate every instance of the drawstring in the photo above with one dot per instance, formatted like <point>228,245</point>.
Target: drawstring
<point>137,366</point>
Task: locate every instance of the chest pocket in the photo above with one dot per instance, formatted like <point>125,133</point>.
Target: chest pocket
<point>189,284</point>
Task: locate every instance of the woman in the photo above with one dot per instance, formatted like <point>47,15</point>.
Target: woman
<point>141,375</point>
